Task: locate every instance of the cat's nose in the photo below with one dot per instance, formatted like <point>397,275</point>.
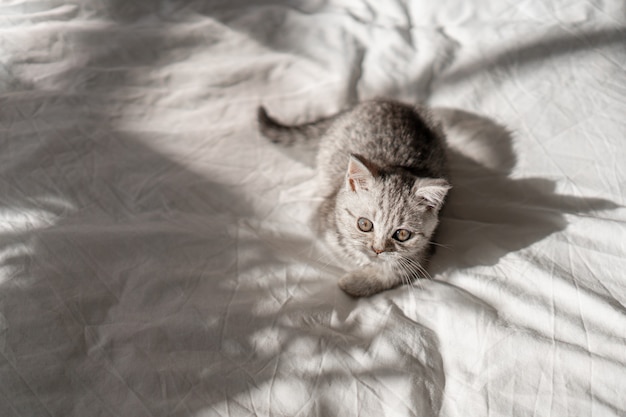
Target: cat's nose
<point>377,251</point>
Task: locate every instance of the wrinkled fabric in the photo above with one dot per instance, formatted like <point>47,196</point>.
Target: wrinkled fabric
<point>155,252</point>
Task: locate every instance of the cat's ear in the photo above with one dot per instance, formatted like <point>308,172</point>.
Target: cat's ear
<point>431,191</point>
<point>358,176</point>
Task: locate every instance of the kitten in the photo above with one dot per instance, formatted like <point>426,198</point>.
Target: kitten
<point>382,175</point>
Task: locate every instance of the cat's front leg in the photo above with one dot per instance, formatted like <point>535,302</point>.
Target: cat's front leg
<point>368,280</point>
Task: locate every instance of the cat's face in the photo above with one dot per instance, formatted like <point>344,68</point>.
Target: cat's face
<point>387,219</point>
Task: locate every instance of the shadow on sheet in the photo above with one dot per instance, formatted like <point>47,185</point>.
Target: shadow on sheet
<point>138,287</point>
<point>489,214</point>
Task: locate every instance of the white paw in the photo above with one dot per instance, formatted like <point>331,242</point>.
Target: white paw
<point>358,284</point>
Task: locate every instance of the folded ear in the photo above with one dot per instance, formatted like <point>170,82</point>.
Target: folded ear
<point>358,175</point>
<point>431,191</point>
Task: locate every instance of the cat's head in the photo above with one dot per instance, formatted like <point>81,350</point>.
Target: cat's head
<point>385,217</point>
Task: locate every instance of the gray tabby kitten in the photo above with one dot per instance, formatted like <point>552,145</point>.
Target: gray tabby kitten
<point>382,175</point>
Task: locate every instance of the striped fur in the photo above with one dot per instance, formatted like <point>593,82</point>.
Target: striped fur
<point>383,161</point>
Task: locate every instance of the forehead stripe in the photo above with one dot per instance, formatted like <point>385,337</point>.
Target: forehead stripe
<point>392,203</point>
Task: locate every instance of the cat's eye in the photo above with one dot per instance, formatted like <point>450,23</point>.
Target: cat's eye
<point>364,224</point>
<point>402,235</point>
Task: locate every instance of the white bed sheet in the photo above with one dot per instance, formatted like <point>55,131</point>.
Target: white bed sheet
<point>155,258</point>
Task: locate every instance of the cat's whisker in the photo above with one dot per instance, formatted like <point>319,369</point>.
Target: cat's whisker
<point>405,276</point>
<point>422,270</point>
<point>412,281</point>
<point>419,270</point>
<point>413,272</point>
<point>409,282</point>
<point>439,245</point>
<point>409,272</point>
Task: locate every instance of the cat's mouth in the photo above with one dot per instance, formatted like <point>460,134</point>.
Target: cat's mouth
<point>378,257</point>
<point>369,256</point>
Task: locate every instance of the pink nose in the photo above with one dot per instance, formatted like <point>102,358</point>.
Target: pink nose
<point>378,251</point>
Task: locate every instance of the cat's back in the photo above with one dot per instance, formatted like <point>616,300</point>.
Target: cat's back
<point>388,134</point>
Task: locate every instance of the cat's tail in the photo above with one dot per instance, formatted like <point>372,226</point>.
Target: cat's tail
<point>289,135</point>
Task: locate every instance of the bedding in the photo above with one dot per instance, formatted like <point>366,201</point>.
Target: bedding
<point>155,252</point>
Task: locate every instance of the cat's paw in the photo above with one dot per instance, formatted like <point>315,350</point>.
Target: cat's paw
<point>358,284</point>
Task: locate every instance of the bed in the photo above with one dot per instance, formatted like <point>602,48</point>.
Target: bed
<point>155,252</point>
